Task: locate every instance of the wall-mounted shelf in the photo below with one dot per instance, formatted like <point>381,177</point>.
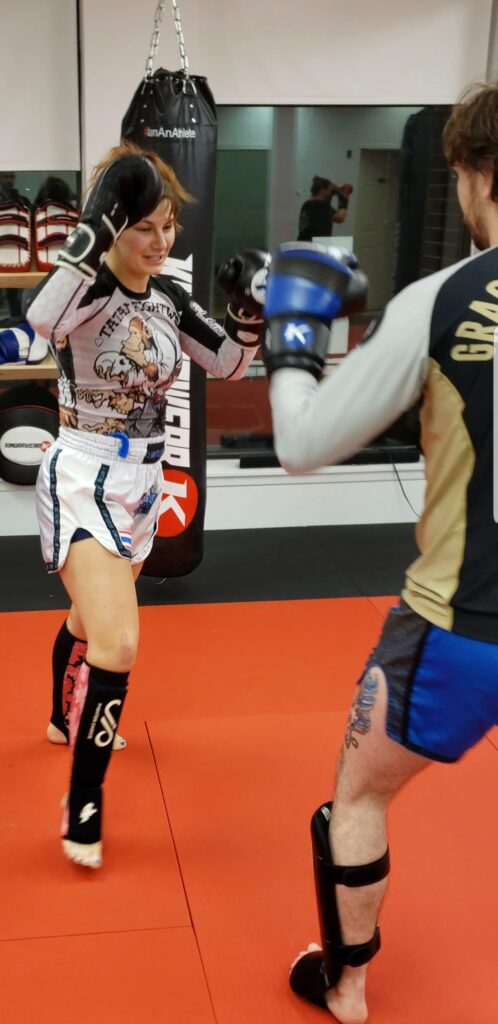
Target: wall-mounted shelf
<point>47,369</point>
<point>21,278</point>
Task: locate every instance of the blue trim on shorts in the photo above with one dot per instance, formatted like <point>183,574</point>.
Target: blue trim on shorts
<point>104,511</point>
<point>56,512</point>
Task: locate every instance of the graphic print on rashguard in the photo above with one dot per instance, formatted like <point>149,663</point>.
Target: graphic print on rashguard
<point>125,382</point>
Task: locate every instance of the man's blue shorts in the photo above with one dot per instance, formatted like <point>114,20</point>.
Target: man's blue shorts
<point>442,687</point>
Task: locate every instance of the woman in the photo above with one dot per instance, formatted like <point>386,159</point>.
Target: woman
<point>118,335</point>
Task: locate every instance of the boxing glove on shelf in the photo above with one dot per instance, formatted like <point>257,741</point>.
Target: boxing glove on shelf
<point>21,344</point>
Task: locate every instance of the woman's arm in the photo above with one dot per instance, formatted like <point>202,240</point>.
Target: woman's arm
<point>60,303</point>
<point>210,346</point>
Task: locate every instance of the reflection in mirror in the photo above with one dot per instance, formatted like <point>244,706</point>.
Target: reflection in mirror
<point>33,187</point>
<point>370,179</point>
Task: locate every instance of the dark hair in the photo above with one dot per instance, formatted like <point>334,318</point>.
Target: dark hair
<point>318,184</point>
<point>470,136</point>
<point>173,190</point>
<point>55,189</point>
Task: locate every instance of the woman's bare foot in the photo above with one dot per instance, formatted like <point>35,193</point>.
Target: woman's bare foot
<point>87,855</point>
<point>56,736</point>
<point>346,1001</point>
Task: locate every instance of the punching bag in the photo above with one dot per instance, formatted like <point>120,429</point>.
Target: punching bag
<point>174,114</point>
<point>430,229</point>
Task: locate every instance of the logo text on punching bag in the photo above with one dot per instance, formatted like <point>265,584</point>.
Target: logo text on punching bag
<point>177,439</point>
<point>179,502</point>
<point>169,133</point>
<point>177,450</point>
<point>180,492</point>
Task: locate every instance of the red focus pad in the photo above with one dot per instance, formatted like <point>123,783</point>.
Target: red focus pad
<point>15,235</point>
<point>53,223</point>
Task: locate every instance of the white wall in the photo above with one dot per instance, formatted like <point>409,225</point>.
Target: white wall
<point>287,52</point>
<point>321,52</point>
<point>39,125</point>
<point>334,496</point>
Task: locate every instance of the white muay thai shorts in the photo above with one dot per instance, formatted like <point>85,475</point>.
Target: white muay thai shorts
<point>101,486</point>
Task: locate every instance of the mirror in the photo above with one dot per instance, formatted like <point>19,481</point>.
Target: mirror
<point>399,213</point>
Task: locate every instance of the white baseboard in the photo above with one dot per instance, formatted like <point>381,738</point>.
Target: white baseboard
<point>337,495</point>
<point>239,499</point>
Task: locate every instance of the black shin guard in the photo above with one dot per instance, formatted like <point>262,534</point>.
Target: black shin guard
<point>99,711</point>
<point>316,972</point>
<point>67,657</point>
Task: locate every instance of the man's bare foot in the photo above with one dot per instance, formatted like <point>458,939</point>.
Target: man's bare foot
<point>347,1005</point>
<point>56,736</point>
<point>346,1001</point>
<point>87,855</point>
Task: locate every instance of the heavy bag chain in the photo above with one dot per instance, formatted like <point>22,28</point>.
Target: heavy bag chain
<point>154,43</point>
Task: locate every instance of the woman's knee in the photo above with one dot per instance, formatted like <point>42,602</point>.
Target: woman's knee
<point>116,652</point>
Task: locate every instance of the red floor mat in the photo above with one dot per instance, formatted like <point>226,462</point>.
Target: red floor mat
<point>42,894</point>
<point>138,977</point>
<point>240,792</point>
<point>247,703</point>
<point>253,658</point>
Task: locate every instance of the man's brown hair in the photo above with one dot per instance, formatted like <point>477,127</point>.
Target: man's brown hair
<point>470,136</point>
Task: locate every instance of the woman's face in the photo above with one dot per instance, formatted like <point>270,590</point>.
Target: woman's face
<point>142,249</point>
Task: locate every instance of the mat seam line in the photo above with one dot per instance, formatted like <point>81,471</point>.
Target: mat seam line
<point>184,887</point>
<point>78,935</point>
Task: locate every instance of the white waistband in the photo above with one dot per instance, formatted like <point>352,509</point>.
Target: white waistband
<point>112,449</point>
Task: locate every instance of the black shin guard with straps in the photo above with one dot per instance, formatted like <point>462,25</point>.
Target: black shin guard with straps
<point>316,972</point>
<point>95,731</point>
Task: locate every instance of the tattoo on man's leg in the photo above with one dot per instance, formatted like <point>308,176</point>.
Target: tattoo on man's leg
<point>360,715</point>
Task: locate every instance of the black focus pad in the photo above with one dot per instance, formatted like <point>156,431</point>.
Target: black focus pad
<point>29,424</point>
<point>243,279</point>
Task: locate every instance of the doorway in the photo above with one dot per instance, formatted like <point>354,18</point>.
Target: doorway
<point>376,221</point>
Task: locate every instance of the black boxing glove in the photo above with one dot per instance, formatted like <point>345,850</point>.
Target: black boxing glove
<point>355,299</point>
<point>343,193</point>
<point>308,287</point>
<point>243,278</point>
<point>126,191</point>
